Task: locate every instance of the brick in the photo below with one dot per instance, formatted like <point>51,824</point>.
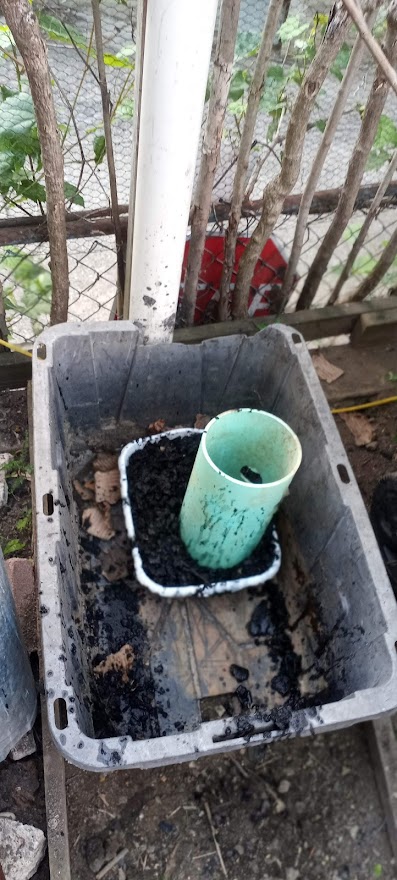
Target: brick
<point>21,575</point>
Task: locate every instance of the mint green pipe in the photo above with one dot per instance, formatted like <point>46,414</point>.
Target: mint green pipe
<point>243,468</point>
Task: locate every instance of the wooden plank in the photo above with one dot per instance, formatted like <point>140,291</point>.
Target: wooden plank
<point>375,327</point>
<point>383,750</point>
<point>89,224</point>
<point>312,323</point>
<point>15,370</point>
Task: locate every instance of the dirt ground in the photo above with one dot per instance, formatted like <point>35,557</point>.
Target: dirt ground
<point>300,810</point>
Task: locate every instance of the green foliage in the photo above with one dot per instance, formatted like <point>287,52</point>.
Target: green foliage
<point>392,377</point>
<point>17,468</point>
<point>341,61</point>
<point>58,32</point>
<point>24,522</point>
<point>378,870</point>
<point>34,281</point>
<point>125,109</point>
<point>99,148</point>
<point>384,144</point>
<point>13,546</point>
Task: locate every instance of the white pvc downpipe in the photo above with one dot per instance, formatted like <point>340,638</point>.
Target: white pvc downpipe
<point>178,42</point>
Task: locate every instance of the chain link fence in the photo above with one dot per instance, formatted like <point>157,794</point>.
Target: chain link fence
<point>68,29</point>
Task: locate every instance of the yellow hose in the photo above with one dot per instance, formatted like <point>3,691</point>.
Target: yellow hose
<point>17,348</point>
<point>347,409</point>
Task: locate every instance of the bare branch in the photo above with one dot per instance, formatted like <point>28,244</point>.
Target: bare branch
<point>381,59</point>
<point>106,111</point>
<point>254,97</point>
<point>364,229</point>
<point>369,126</point>
<point>321,155</point>
<point>25,29</point>
<point>383,265</point>
<point>277,189</point>
<point>222,72</point>
<point>3,325</point>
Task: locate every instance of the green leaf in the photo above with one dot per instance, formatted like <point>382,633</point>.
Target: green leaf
<point>99,148</point>
<point>291,29</point>
<point>72,194</point>
<point>13,546</point>
<point>24,522</point>
<point>276,72</point>
<point>6,38</point>
<point>392,377</point>
<point>384,144</point>
<point>30,189</point>
<point>341,61</point>
<point>117,61</point>
<point>320,124</point>
<point>238,85</point>
<point>33,279</point>
<point>57,31</point>
<point>5,92</point>
<point>247,45</point>
<point>125,110</point>
<point>378,870</point>
<point>18,131</point>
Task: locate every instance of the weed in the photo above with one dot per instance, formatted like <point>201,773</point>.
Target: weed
<point>24,522</point>
<point>17,469</point>
<point>13,546</point>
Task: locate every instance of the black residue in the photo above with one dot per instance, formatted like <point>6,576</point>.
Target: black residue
<point>250,475</point>
<point>238,672</point>
<point>157,479</point>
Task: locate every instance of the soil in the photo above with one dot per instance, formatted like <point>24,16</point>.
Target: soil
<point>14,439</point>
<point>370,464</point>
<point>158,476</point>
<point>302,810</point>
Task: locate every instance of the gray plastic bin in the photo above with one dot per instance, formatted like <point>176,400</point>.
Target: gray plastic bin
<point>92,383</point>
<point>18,699</point>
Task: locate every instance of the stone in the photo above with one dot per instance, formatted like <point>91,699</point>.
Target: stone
<point>284,786</point>
<point>5,457</point>
<point>95,853</point>
<point>292,874</point>
<point>22,848</point>
<point>25,747</point>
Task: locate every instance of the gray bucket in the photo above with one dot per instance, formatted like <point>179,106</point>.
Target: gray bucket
<point>18,700</point>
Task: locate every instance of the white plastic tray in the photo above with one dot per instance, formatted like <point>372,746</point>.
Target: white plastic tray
<point>170,591</point>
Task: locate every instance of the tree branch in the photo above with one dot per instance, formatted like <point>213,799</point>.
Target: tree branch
<point>222,72</point>
<point>358,161</point>
<point>277,189</point>
<point>381,59</point>
<point>364,229</point>
<point>25,29</point>
<point>254,97</point>
<point>385,261</point>
<point>321,155</point>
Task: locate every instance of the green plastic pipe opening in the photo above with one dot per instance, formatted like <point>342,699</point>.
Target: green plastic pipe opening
<point>243,468</point>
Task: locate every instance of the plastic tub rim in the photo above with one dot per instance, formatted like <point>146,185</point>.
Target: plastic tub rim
<point>288,476</point>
